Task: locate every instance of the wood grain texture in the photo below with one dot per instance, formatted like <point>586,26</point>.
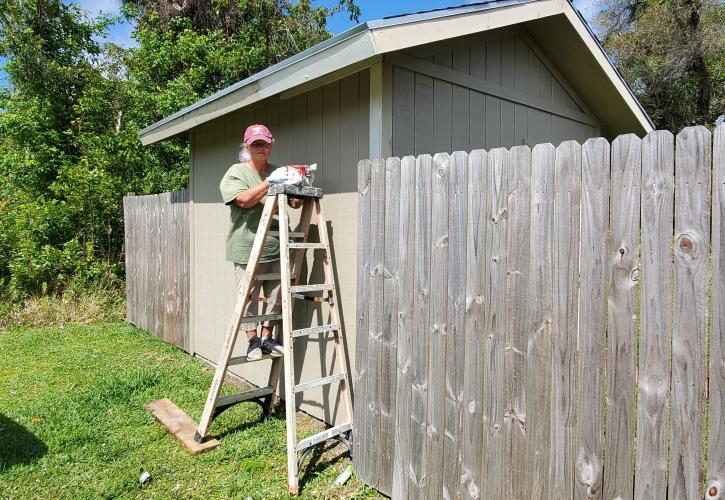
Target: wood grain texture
<point>389,353</point>
<point>472,434</point>
<point>539,321</point>
<point>455,334</point>
<point>622,314</point>
<point>592,322</point>
<point>692,245</point>
<point>656,314</point>
<point>494,329</point>
<point>375,384</point>
<point>716,448</point>
<point>359,433</point>
<point>517,297</point>
<point>406,320</point>
<point>438,308</point>
<point>567,198</point>
<point>419,467</point>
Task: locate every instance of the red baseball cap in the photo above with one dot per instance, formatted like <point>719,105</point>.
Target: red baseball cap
<point>257,132</point>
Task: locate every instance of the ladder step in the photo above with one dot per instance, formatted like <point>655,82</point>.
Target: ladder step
<point>243,396</point>
<point>292,234</point>
<point>241,360</point>
<point>320,381</point>
<point>261,317</point>
<point>315,329</point>
<point>323,436</point>
<point>310,288</point>
<point>293,246</point>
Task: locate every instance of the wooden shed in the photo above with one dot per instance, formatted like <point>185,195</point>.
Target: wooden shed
<point>484,75</point>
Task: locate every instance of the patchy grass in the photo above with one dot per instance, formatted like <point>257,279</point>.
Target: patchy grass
<point>73,424</point>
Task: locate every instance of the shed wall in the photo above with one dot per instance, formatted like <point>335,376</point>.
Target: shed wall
<point>329,126</point>
<point>432,114</point>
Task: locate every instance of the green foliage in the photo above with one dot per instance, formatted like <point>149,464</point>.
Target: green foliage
<point>69,122</point>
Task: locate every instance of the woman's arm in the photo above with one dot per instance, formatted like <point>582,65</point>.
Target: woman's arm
<point>252,196</point>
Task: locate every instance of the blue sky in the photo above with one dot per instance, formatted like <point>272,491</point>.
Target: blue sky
<point>120,33</point>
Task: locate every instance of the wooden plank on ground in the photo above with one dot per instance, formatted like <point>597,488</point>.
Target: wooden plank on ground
<point>375,385</point>
<point>455,335</point>
<point>564,320</point>
<point>421,336</point>
<point>517,296</point>
<point>389,353</point>
<point>362,341</point>
<point>494,331</point>
<point>593,321</point>
<point>539,316</point>
<point>406,320</point>
<point>178,423</point>
<point>715,485</point>
<point>692,242</point>
<point>658,187</point>
<point>438,319</point>
<point>471,446</point>
<point>622,315</point>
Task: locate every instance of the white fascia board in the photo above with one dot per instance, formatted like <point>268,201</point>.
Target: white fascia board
<point>607,66</point>
<point>421,32</point>
<point>348,51</point>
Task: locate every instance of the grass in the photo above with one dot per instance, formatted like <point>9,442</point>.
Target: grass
<point>73,424</point>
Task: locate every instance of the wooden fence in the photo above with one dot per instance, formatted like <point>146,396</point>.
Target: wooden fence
<point>536,323</point>
<point>157,264</point>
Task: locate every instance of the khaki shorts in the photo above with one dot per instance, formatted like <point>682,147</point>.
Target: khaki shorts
<point>271,289</point>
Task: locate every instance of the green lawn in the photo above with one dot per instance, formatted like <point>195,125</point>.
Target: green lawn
<point>72,424</point>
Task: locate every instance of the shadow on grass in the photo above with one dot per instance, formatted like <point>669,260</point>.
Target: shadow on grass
<point>320,459</point>
<point>19,445</point>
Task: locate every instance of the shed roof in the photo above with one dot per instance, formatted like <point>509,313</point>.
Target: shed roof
<point>365,44</point>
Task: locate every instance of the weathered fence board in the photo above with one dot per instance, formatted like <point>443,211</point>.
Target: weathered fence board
<point>157,265</point>
<point>622,306</point>
<point>656,314</point>
<point>692,241</point>
<point>519,329</point>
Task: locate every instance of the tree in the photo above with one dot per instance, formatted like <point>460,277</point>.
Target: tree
<point>672,53</point>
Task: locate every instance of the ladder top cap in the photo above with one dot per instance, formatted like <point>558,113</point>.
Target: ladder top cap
<point>276,189</point>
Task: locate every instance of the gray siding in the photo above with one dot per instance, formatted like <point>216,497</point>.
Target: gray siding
<point>432,115</point>
<point>327,125</point>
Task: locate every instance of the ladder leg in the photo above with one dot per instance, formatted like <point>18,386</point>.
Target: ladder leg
<point>236,319</point>
<point>288,359</point>
<point>334,319</point>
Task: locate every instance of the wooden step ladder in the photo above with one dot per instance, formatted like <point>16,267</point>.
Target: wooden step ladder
<point>291,259</point>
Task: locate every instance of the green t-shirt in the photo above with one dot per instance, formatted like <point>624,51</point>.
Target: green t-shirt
<point>244,221</point>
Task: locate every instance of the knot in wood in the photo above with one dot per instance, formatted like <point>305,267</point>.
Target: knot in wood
<point>686,245</point>
<point>712,492</point>
<point>622,251</point>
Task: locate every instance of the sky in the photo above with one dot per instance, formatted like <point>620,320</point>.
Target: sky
<point>120,33</point>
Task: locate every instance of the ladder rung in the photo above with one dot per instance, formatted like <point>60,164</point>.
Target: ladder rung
<point>243,396</point>
<point>260,318</point>
<point>323,436</point>
<point>293,246</point>
<point>292,234</point>
<point>315,329</point>
<point>272,277</point>
<point>240,360</point>
<point>320,381</point>
<point>310,288</point>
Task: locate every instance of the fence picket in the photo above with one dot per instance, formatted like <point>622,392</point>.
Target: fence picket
<point>538,351</point>
<point>494,332</point>
<point>656,314</point>
<point>419,397</point>
<point>592,322</point>
<point>564,321</point>
<point>406,319</point>
<point>692,224</point>
<point>360,442</point>
<point>455,333</point>
<point>716,445</point>
<point>471,447</point>
<point>519,214</point>
<point>438,307</point>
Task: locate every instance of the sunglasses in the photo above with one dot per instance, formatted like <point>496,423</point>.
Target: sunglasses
<point>260,144</point>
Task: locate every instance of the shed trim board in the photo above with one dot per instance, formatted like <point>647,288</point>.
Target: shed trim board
<point>362,46</point>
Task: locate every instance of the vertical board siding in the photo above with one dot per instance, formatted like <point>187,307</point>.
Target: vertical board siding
<point>157,250</point>
<point>692,247</point>
<point>550,317</point>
